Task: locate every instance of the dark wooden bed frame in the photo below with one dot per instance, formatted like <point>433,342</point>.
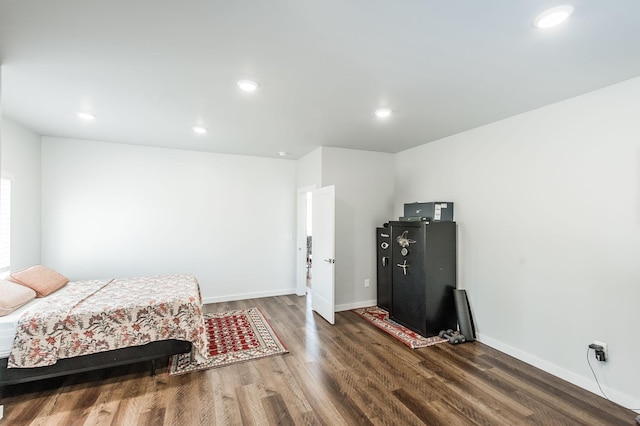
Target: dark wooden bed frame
<point>149,352</point>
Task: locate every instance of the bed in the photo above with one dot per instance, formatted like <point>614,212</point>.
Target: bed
<point>87,325</point>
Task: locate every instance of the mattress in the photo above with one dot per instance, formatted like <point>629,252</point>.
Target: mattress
<point>8,326</point>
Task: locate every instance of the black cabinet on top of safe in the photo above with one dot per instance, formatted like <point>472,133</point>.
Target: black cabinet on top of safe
<point>423,260</point>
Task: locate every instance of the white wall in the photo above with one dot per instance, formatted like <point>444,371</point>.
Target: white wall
<point>309,169</point>
<point>114,210</point>
<point>21,161</point>
<point>548,212</point>
<point>308,178</point>
<point>364,201</point>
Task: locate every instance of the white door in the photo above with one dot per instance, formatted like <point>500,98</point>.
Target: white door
<point>323,224</point>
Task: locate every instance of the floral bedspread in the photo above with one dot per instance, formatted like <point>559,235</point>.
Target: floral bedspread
<point>86,317</point>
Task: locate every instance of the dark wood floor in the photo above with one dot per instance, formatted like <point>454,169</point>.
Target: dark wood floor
<point>348,374</point>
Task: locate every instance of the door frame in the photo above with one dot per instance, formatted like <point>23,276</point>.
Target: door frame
<point>301,239</point>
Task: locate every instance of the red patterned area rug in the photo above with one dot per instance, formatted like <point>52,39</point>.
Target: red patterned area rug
<point>380,318</point>
<point>234,336</point>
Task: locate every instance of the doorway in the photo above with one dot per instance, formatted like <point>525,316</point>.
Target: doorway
<point>304,240</point>
<point>315,239</point>
<point>309,228</point>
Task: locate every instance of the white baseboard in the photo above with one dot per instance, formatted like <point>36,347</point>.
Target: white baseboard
<point>356,305</point>
<point>244,296</point>
<point>569,376</point>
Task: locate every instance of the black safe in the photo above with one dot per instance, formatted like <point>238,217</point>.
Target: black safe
<point>423,275</point>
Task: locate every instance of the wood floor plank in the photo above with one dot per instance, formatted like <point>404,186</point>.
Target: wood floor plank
<point>224,396</point>
<point>544,414</point>
<point>478,387</point>
<point>350,373</point>
<point>340,396</point>
<point>276,410</point>
<point>106,406</point>
<point>179,392</point>
<point>578,410</point>
<point>249,399</point>
<point>375,401</point>
<point>563,391</point>
<point>474,409</point>
<point>306,374</point>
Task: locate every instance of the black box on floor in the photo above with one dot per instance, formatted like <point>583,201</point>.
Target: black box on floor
<point>436,211</point>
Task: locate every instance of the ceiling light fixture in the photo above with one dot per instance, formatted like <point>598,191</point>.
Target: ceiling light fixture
<point>283,153</point>
<point>86,116</point>
<point>199,130</point>
<point>247,85</point>
<point>383,112</point>
<point>552,17</point>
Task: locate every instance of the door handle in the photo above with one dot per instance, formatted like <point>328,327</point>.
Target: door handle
<point>330,260</point>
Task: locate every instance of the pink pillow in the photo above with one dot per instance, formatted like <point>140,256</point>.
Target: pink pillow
<point>41,279</point>
<point>13,296</point>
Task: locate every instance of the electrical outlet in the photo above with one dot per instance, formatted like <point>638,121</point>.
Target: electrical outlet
<point>605,349</point>
<point>367,282</point>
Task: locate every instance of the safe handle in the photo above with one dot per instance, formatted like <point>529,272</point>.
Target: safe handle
<point>404,267</point>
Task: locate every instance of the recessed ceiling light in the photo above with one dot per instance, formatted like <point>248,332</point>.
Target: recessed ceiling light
<point>247,85</point>
<point>283,153</point>
<point>552,17</point>
<point>199,130</point>
<point>383,112</point>
<point>86,116</point>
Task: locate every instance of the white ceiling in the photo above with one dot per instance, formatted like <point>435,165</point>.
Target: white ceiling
<point>152,69</point>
